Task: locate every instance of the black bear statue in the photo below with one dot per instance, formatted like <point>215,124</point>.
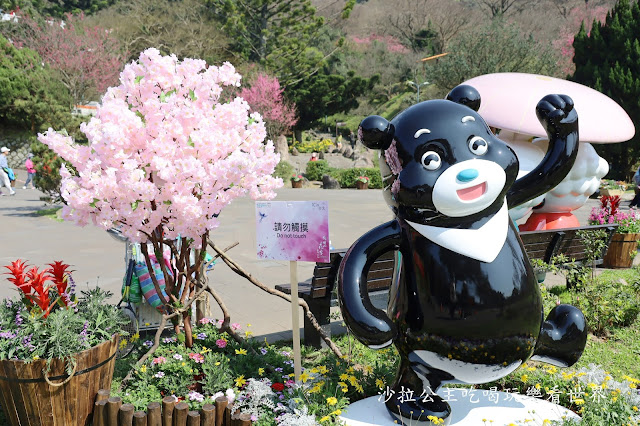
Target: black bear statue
<point>464,305</point>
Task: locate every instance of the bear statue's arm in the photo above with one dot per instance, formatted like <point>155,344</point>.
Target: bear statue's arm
<point>560,121</point>
<point>370,325</point>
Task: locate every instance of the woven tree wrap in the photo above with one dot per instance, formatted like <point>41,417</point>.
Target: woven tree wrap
<point>146,283</point>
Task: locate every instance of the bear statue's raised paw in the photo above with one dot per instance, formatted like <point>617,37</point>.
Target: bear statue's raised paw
<point>557,114</point>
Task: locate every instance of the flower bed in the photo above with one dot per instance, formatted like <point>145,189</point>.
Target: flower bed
<point>258,377</point>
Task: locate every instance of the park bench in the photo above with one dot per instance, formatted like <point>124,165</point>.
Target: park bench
<point>319,292</point>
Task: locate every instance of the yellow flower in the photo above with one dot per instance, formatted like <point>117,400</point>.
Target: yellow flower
<point>436,420</point>
<point>36,357</point>
<point>379,383</point>
<point>635,408</point>
<point>240,381</point>
<point>241,351</point>
<point>123,343</point>
<point>578,401</point>
<point>205,350</point>
<point>368,369</point>
<point>344,377</point>
<point>353,380</point>
<point>248,333</point>
<point>322,369</point>
<point>350,370</point>
<point>546,422</point>
<point>147,324</point>
<point>332,400</point>
<point>143,368</point>
<point>304,377</point>
<point>248,325</point>
<point>336,412</point>
<point>524,378</point>
<point>217,363</point>
<point>325,418</point>
<point>135,337</point>
<point>261,371</point>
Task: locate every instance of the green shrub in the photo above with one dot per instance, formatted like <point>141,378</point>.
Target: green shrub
<point>316,169</point>
<point>283,170</point>
<point>608,303</point>
<point>312,146</point>
<point>348,177</point>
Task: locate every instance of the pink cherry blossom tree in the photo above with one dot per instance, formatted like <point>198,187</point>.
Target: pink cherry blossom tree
<point>165,156</point>
<point>576,17</point>
<point>265,96</point>
<point>88,58</point>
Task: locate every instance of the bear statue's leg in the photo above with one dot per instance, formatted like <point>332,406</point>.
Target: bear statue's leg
<point>562,338</point>
<point>412,399</point>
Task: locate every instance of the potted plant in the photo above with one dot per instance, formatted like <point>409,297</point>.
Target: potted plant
<point>296,181</point>
<point>624,242</point>
<point>610,187</point>
<point>56,350</point>
<point>362,182</point>
<point>540,268</point>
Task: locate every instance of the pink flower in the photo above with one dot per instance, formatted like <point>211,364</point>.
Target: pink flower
<point>235,326</point>
<point>204,321</point>
<point>198,358</point>
<point>221,343</point>
<point>159,360</point>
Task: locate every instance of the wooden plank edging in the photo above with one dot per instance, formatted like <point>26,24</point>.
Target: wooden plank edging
<point>110,411</point>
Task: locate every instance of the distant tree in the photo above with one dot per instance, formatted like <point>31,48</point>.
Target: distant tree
<point>497,47</point>
<point>87,59</point>
<point>607,59</point>
<point>278,35</point>
<point>30,96</point>
<point>502,8</point>
<point>426,26</point>
<point>264,95</point>
<point>577,17</point>
<point>185,28</point>
<point>56,8</point>
<point>326,93</point>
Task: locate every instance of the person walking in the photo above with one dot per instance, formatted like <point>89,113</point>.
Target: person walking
<point>636,181</point>
<point>4,170</point>
<point>31,172</point>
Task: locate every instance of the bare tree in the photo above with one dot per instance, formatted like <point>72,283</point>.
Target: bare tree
<point>502,8</point>
<point>183,28</point>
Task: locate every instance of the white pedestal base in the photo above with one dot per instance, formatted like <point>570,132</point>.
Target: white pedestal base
<point>475,407</point>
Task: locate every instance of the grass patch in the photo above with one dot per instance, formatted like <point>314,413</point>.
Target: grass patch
<point>51,213</point>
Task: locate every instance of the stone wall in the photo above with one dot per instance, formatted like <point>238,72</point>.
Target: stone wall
<point>19,142</point>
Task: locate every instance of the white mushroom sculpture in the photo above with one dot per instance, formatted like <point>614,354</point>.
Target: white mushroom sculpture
<point>508,103</point>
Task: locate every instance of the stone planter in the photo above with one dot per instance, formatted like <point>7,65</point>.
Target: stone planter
<point>296,184</point>
<point>28,397</point>
<point>362,185</point>
<point>621,251</point>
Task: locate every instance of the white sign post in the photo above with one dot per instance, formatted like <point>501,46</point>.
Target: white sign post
<point>294,231</point>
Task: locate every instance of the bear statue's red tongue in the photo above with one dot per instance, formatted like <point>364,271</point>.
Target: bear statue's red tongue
<point>471,193</point>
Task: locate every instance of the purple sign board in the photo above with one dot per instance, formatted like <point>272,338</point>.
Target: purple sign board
<point>293,230</point>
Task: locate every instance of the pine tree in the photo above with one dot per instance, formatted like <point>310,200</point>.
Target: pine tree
<point>608,60</point>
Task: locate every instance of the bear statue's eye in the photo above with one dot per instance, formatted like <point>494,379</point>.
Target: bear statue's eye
<point>431,160</point>
<point>478,146</point>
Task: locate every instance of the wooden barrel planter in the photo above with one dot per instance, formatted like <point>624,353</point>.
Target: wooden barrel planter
<point>362,185</point>
<point>621,248</point>
<point>296,184</point>
<point>30,398</point>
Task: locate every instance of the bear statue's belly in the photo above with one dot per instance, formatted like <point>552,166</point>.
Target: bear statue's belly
<point>477,321</point>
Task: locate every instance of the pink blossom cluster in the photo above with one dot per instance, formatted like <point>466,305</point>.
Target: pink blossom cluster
<point>393,45</point>
<point>164,149</point>
<point>603,216</point>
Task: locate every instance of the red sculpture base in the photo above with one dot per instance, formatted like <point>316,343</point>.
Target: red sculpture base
<point>542,221</point>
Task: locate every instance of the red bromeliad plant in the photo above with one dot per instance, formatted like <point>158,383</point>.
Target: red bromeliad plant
<point>38,296</point>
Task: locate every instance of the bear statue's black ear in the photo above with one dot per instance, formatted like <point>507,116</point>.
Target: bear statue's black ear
<point>465,95</point>
<point>376,132</point>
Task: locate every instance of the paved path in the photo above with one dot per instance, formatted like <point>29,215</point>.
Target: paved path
<point>98,259</point>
